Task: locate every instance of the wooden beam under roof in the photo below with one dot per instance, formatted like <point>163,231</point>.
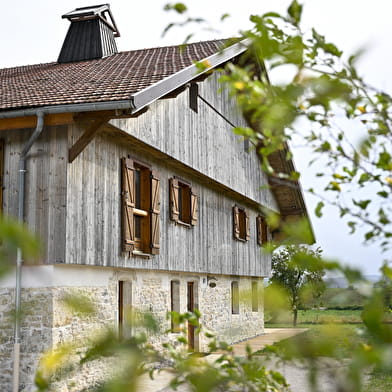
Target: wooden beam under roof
<point>31,121</point>
<point>86,138</point>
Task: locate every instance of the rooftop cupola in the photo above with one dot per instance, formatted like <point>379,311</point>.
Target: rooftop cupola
<point>90,35</point>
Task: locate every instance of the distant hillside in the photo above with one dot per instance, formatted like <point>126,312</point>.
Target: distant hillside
<point>341,282</point>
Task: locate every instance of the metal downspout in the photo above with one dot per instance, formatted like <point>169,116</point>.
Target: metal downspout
<point>19,256</point>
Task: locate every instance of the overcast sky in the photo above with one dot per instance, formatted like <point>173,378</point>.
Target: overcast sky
<point>32,32</point>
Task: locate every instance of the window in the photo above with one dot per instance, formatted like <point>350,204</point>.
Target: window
<point>235,298</point>
<point>124,308</point>
<point>183,202</point>
<point>255,297</point>
<point>241,229</point>
<point>262,230</point>
<point>141,208</point>
<point>175,303</point>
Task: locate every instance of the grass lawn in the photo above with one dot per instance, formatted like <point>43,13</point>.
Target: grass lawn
<point>316,316</point>
<point>332,340</point>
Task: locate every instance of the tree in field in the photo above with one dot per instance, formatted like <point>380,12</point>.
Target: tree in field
<point>297,269</point>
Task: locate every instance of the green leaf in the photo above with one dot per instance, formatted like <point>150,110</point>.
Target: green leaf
<point>352,226</point>
<point>178,7</point>
<point>369,235</point>
<point>383,194</point>
<point>362,203</point>
<point>363,178</point>
<point>384,161</point>
<point>383,219</point>
<point>224,16</point>
<point>318,209</point>
<point>326,146</point>
<point>295,11</point>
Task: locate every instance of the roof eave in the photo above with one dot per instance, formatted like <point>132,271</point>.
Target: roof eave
<point>150,94</point>
<point>127,104</point>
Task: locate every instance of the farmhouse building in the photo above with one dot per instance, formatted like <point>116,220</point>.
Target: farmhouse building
<point>126,167</point>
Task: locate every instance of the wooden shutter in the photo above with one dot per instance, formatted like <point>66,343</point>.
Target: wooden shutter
<point>259,221</point>
<point>174,210</point>
<point>236,223</point>
<point>247,226</point>
<point>128,204</point>
<point>155,213</point>
<point>262,230</point>
<point>194,208</point>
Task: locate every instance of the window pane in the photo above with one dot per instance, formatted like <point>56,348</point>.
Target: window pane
<point>242,222</point>
<point>138,226</point>
<point>137,189</point>
<point>175,302</point>
<point>235,298</point>
<point>255,299</point>
<point>184,203</point>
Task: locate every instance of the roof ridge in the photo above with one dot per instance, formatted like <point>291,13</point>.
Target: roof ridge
<point>222,40</point>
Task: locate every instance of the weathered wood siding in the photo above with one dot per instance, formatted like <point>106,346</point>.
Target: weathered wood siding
<point>45,192</point>
<point>94,224</point>
<point>203,140</point>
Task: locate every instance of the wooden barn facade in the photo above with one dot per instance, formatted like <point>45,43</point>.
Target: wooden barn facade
<point>138,189</point>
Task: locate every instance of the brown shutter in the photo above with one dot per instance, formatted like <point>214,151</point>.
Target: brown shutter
<point>259,221</point>
<point>236,222</point>
<point>247,226</point>
<point>194,208</point>
<point>262,230</point>
<point>155,212</point>
<point>128,204</point>
<point>174,211</point>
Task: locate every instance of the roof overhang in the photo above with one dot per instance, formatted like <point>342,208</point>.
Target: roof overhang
<point>158,90</point>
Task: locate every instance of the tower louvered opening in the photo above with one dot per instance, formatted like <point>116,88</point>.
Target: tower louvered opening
<point>91,34</point>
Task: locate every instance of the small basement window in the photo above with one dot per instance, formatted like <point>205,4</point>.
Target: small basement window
<point>235,298</point>
<point>175,303</point>
<point>255,297</point>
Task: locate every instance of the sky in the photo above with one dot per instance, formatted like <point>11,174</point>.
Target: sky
<point>32,32</point>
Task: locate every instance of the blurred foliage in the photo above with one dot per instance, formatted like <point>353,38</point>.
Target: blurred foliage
<point>322,102</point>
<point>15,236</point>
<point>134,357</point>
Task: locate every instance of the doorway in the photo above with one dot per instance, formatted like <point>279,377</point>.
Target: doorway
<point>191,305</point>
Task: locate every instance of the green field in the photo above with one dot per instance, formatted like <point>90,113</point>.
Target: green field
<point>317,316</point>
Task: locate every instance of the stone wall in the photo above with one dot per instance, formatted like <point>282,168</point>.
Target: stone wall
<point>36,333</point>
<point>47,322</point>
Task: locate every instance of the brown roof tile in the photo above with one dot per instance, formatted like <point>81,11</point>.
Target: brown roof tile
<point>109,79</point>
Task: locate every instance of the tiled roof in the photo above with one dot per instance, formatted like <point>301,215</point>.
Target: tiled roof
<point>109,79</point>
